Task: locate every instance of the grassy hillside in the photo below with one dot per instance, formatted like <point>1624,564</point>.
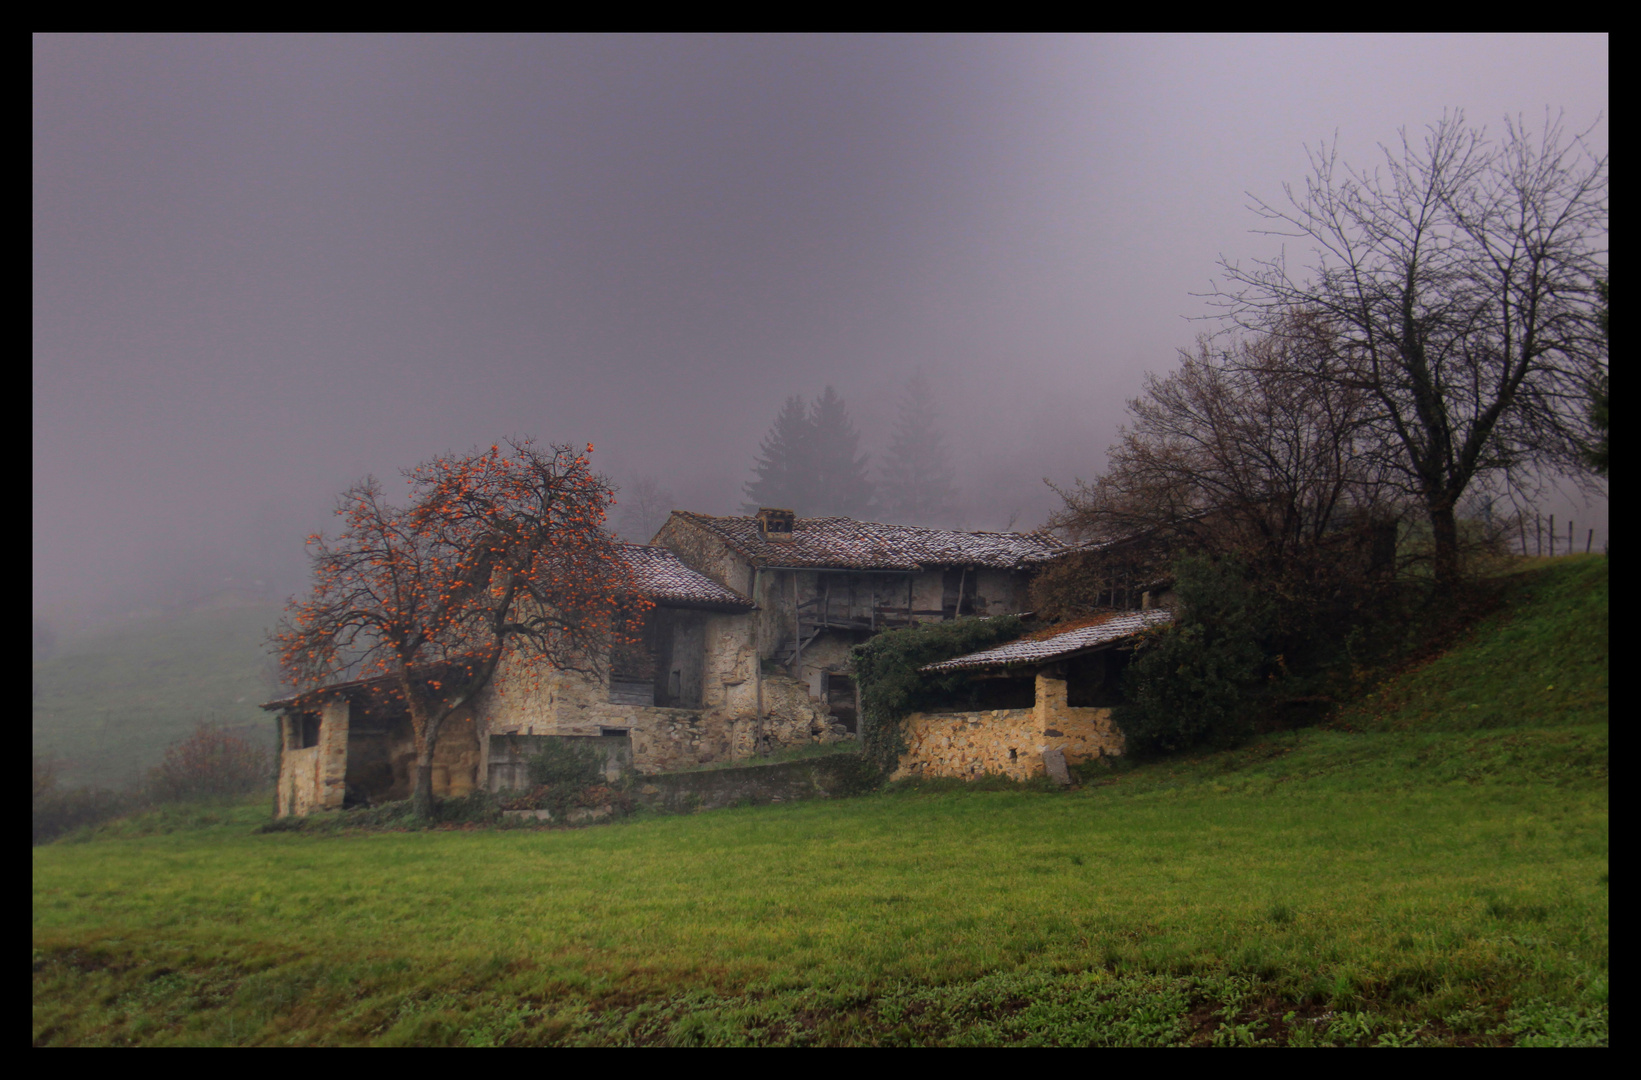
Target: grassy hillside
<point>107,704</point>
<point>1420,871</point>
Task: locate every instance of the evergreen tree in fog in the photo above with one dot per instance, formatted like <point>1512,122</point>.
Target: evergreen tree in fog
<point>809,462</point>
<point>784,472</point>
<point>842,486</point>
<point>917,477</point>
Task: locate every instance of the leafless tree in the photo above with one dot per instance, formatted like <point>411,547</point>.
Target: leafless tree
<point>1232,452</point>
<point>1461,280</point>
<point>644,509</point>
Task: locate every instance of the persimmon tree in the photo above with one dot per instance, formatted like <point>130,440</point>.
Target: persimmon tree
<point>498,566</point>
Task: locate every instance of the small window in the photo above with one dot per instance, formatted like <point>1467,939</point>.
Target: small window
<point>306,730</point>
<point>617,732</point>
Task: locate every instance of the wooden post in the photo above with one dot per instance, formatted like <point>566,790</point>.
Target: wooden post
<point>797,627</point>
<point>1538,535</point>
<point>1522,529</point>
<point>1569,537</point>
<point>1552,535</point>
<point>1588,540</point>
<point>757,653</point>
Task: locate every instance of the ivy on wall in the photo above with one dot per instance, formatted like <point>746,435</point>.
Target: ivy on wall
<point>892,687</point>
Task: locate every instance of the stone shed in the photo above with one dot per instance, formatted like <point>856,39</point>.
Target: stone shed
<point>1055,689</point>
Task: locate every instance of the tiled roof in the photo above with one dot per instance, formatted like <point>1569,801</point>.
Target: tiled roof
<point>662,577</point>
<point>451,669</point>
<point>1038,648</point>
<point>840,543</point>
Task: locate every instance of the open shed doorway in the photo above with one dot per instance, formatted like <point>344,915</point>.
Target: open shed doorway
<point>838,691</point>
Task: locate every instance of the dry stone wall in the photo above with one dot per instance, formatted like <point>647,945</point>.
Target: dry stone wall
<point>1007,742</point>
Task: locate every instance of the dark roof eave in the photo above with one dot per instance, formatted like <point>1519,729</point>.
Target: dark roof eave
<point>704,605</point>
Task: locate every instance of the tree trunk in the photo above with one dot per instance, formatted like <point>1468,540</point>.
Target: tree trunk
<point>1444,529</point>
<point>421,796</point>
<point>426,730</point>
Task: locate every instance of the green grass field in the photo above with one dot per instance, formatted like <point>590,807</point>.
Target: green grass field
<point>107,704</point>
<point>1431,867</point>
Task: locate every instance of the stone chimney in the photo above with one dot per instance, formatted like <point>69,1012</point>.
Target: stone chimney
<point>775,524</point>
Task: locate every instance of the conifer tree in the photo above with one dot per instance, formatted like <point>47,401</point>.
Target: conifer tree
<point>841,484</point>
<point>809,462</point>
<point>785,473</point>
<point>916,485</point>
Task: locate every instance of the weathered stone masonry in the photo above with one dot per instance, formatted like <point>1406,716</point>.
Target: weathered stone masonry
<point>1007,742</point>
<point>746,651</point>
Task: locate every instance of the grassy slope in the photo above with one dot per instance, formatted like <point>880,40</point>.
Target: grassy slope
<point>1421,870</point>
<point>106,705</point>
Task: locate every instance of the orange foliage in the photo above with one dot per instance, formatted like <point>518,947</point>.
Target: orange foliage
<point>495,558</point>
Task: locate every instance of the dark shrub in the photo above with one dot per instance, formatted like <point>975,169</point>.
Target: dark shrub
<point>562,761</point>
<point>1196,682</point>
<point>210,764</point>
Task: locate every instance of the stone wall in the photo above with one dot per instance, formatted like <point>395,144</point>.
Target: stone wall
<point>314,777</point>
<point>1007,742</point>
<point>567,703</point>
<point>832,776</point>
<point>457,757</point>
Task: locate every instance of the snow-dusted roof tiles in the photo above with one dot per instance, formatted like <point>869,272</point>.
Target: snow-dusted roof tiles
<point>1040,648</point>
<point>662,576</point>
<point>840,543</point>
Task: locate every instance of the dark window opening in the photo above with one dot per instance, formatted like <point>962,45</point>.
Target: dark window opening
<point>1095,681</point>
<point>306,727</point>
<point>958,589</point>
<point>977,695</point>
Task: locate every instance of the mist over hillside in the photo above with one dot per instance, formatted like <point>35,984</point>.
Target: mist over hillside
<point>106,703</point>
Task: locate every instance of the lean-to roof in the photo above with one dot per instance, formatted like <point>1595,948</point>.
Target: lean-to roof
<point>840,543</point>
<point>1048,645</point>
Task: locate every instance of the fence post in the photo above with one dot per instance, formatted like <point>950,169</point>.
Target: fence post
<point>1569,537</point>
<point>1552,536</point>
<point>1588,540</point>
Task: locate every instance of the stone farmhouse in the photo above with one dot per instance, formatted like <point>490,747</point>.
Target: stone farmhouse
<point>745,650</point>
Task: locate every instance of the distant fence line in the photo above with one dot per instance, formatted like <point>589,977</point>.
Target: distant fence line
<point>1547,539</point>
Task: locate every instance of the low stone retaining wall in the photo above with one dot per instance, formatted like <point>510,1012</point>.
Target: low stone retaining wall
<point>830,777</point>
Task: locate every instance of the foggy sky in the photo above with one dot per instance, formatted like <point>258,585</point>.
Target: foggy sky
<point>267,266</point>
